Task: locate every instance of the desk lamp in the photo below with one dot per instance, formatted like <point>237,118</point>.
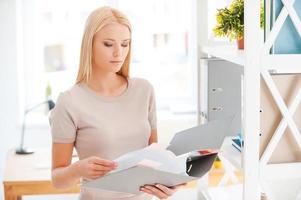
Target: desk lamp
<point>21,149</point>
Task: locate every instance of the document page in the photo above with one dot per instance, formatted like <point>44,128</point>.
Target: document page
<point>154,156</point>
<point>154,164</point>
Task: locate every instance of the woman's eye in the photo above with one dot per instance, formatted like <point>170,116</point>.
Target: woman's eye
<point>108,44</point>
<point>125,45</point>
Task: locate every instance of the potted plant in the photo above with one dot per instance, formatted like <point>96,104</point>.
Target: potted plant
<point>230,22</point>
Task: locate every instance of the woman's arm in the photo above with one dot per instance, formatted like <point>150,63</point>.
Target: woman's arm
<point>153,137</point>
<point>65,174</point>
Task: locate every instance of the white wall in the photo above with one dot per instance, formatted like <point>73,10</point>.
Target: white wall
<point>9,101</point>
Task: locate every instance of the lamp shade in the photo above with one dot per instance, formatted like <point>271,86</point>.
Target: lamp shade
<point>51,104</point>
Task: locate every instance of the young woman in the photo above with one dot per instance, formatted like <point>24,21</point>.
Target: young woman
<point>105,114</point>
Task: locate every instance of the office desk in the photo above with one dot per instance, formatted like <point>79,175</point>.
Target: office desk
<point>29,175</point>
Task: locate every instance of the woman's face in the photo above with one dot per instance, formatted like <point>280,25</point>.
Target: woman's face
<point>110,47</point>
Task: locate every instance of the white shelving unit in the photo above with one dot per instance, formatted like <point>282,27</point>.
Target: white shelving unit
<point>273,63</point>
<point>258,63</point>
<point>231,154</point>
<point>229,53</point>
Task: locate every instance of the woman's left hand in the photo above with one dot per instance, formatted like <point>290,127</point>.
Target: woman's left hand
<point>160,191</point>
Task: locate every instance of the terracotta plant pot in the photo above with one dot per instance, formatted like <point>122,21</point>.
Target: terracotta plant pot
<point>240,43</point>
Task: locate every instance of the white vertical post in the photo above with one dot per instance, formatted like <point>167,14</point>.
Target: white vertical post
<point>202,38</point>
<point>251,100</point>
<point>202,24</point>
<point>203,91</point>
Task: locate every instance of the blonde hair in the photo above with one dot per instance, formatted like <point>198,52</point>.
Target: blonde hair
<point>95,22</point>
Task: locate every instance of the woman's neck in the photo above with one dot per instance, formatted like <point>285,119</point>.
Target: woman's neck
<point>108,84</point>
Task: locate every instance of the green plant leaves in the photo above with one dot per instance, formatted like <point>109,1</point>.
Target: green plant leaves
<point>230,21</point>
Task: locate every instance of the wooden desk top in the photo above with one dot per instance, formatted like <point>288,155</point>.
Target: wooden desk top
<point>28,168</point>
<point>30,175</point>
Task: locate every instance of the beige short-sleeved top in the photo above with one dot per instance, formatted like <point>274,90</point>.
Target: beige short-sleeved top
<point>107,127</point>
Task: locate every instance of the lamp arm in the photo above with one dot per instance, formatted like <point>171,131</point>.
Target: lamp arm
<point>23,130</point>
<point>24,121</point>
<point>34,107</point>
<point>21,149</point>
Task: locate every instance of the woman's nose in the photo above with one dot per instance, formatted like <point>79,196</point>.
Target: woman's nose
<point>117,52</point>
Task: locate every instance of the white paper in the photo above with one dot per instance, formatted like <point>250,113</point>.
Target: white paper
<point>156,156</point>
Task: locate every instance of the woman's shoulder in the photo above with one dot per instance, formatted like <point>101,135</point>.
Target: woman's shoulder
<point>141,82</point>
<point>66,96</point>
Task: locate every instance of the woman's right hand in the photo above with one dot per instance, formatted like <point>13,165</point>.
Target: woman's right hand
<point>94,167</point>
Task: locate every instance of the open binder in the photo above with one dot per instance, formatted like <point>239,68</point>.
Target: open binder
<point>181,162</point>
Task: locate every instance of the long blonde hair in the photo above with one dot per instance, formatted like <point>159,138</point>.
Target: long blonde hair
<point>95,22</point>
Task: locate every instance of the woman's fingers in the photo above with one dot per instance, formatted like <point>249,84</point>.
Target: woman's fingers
<point>104,162</point>
<point>98,167</point>
<point>143,189</point>
<point>154,191</point>
<point>103,165</point>
<point>95,167</point>
<point>159,190</point>
<point>165,189</point>
<point>150,191</point>
<point>98,174</point>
